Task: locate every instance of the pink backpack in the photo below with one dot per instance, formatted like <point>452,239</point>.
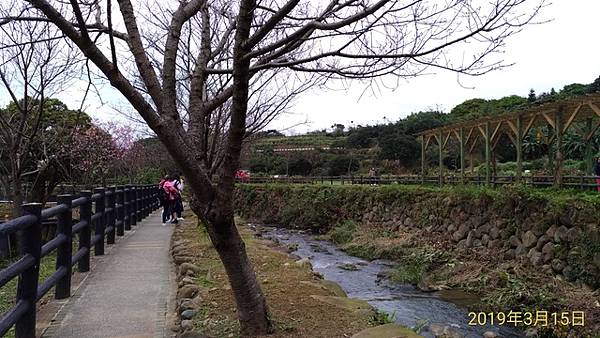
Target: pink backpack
<point>170,190</point>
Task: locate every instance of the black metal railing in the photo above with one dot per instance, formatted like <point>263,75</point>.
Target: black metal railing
<point>574,182</point>
<point>105,212</point>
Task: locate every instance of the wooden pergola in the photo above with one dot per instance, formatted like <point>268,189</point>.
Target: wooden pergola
<point>558,116</point>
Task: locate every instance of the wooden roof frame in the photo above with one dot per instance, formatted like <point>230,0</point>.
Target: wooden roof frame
<point>570,110</point>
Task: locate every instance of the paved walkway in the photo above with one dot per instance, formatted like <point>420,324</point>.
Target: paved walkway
<point>127,292</point>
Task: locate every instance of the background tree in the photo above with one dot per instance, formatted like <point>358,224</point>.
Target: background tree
<point>34,65</point>
<point>207,73</point>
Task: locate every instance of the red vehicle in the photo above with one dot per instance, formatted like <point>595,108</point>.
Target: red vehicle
<point>242,175</point>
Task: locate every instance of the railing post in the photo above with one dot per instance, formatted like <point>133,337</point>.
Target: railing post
<point>65,251</point>
<point>120,208</point>
<point>146,205</point>
<point>140,191</point>
<point>133,205</point>
<point>110,238</point>
<point>127,207</point>
<point>85,235</point>
<point>100,222</point>
<point>31,244</point>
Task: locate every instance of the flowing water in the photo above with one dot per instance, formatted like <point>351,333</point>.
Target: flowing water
<point>406,304</point>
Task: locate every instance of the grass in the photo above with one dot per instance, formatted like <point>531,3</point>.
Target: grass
<point>8,292</point>
<point>293,311</point>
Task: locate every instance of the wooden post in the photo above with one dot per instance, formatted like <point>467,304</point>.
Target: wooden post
<point>100,223</point>
<point>589,155</point>
<point>487,153</point>
<point>559,151</point>
<point>111,219</point>
<point>85,236</point>
<point>31,244</point>
<point>126,221</point>
<point>422,138</point>
<point>64,251</point>
<point>120,211</point>
<point>441,157</point>
<point>133,205</point>
<point>462,154</point>
<point>519,146</point>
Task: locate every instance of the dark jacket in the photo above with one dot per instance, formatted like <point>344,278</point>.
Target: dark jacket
<point>597,169</point>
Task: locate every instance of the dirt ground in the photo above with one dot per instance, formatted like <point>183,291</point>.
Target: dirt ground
<point>287,286</point>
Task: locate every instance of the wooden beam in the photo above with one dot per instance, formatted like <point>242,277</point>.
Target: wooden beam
<point>427,142</point>
<point>594,108</point>
<point>446,140</point>
<point>481,130</point>
<point>529,125</point>
<point>495,133</point>
<point>512,139</point>
<point>572,118</point>
<point>469,135</point>
<point>474,144</point>
<point>592,132</point>
<point>549,120</point>
<point>495,142</point>
<point>512,126</point>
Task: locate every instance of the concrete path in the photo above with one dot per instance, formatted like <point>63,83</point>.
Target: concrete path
<point>127,292</point>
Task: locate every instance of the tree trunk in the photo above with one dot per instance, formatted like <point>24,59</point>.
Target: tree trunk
<point>252,308</point>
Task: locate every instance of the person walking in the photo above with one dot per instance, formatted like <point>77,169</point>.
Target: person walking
<point>597,172</point>
<point>178,184</point>
<point>164,202</point>
<point>171,197</point>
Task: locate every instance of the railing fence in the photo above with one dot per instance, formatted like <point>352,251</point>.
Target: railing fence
<point>105,212</point>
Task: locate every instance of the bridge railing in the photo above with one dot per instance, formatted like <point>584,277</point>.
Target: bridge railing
<point>104,212</point>
<point>574,182</point>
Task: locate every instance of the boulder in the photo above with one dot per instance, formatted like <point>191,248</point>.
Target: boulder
<point>328,285</point>
<point>573,234</point>
<point>514,241</point>
<point>548,252</point>
<point>535,257</point>
<point>185,267</point>
<point>461,233</point>
<point>188,291</point>
<point>542,240</point>
<point>560,235</point>
<point>387,331</point>
<point>521,250</point>
<point>558,265</point>
<point>188,314</point>
<point>551,231</point>
<point>494,232</point>
<point>529,239</point>
<point>490,334</point>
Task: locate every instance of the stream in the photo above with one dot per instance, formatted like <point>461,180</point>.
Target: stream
<point>407,305</point>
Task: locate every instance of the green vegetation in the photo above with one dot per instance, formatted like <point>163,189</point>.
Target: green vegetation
<point>381,318</point>
<point>393,148</point>
<point>342,233</point>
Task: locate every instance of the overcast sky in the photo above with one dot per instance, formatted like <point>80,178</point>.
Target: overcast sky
<point>554,54</point>
<point>557,53</point>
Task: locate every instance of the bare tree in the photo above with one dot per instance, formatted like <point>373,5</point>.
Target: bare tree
<point>197,71</point>
<point>34,65</point>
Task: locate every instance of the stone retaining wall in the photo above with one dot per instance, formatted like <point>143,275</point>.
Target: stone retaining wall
<point>554,231</point>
